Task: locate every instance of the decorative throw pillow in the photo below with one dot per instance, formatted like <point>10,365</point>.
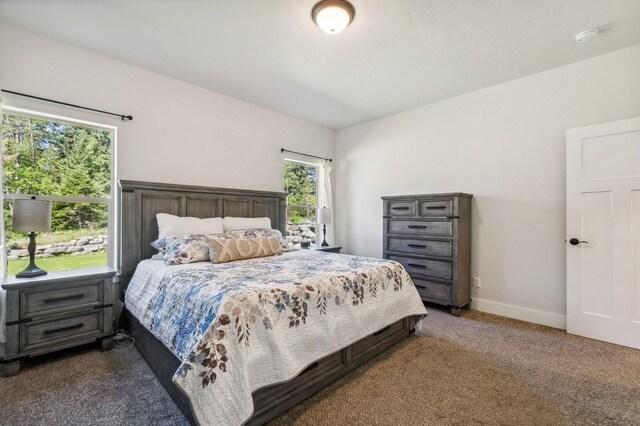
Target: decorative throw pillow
<point>262,233</point>
<point>170,225</point>
<point>189,249</point>
<point>241,223</point>
<point>227,250</point>
<point>160,244</point>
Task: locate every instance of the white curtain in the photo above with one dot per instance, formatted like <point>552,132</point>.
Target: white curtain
<point>3,250</point>
<point>326,201</point>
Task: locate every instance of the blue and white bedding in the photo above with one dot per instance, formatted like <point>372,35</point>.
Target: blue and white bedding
<point>244,325</point>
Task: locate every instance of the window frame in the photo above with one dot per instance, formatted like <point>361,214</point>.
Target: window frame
<point>318,168</point>
<point>113,224</point>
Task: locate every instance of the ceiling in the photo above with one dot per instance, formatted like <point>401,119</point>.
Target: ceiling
<point>396,55</point>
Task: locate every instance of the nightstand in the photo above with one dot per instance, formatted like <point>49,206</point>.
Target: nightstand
<point>328,249</point>
<point>56,311</point>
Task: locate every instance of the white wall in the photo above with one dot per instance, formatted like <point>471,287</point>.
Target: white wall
<point>180,133</point>
<point>504,144</point>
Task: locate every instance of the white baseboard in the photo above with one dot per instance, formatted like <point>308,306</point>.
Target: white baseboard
<point>518,312</point>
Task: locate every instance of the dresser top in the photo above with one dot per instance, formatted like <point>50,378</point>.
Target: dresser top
<point>11,282</point>
<point>445,194</point>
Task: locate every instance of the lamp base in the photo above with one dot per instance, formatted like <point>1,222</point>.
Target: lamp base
<point>31,271</point>
<point>324,236</point>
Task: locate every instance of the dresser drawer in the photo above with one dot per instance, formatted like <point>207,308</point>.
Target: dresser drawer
<point>362,347</point>
<point>436,208</point>
<point>309,376</point>
<point>35,335</point>
<point>401,208</point>
<point>435,268</point>
<point>433,291</point>
<point>421,247</point>
<point>61,298</point>
<point>435,228</point>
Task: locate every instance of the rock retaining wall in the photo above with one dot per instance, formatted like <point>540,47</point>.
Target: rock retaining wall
<point>301,232</point>
<point>296,234</point>
<point>80,246</point>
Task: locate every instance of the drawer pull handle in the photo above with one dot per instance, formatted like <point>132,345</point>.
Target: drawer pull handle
<point>420,285</point>
<point>309,368</point>
<point>399,208</point>
<point>417,226</point>
<point>415,265</point>
<point>382,331</point>
<point>437,208</point>
<point>417,245</point>
<point>68,328</point>
<point>63,298</point>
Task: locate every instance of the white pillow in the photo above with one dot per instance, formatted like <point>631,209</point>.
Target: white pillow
<point>169,225</point>
<point>238,223</point>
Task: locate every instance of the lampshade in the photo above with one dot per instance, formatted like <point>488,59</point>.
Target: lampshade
<point>324,216</point>
<point>333,16</point>
<point>31,215</point>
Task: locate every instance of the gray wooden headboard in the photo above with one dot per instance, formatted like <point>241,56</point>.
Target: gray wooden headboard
<point>140,201</point>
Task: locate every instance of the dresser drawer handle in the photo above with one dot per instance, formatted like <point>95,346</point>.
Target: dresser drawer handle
<point>415,265</point>
<point>63,298</point>
<point>437,208</point>
<point>58,330</point>
<point>309,368</point>
<point>399,208</point>
<point>417,245</point>
<point>382,331</point>
<point>417,226</point>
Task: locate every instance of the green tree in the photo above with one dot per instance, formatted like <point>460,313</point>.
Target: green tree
<point>301,188</point>
<point>48,158</point>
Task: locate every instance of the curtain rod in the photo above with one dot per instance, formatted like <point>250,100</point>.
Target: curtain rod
<point>122,116</point>
<point>306,155</point>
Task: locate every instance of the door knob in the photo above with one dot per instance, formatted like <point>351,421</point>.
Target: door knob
<point>575,242</point>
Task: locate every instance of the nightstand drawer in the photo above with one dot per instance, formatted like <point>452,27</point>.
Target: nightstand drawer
<point>51,332</point>
<point>61,298</point>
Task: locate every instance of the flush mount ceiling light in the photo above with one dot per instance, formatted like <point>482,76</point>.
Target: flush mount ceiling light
<point>586,35</point>
<point>333,16</point>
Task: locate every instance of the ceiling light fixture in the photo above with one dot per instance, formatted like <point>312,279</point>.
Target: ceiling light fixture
<point>333,16</point>
<point>587,35</point>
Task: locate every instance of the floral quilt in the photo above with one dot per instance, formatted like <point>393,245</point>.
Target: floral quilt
<point>243,325</point>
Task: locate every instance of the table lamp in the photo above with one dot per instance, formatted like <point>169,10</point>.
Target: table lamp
<point>31,216</point>
<point>324,219</point>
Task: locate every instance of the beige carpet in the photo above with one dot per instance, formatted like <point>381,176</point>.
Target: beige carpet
<point>484,369</point>
<point>476,369</point>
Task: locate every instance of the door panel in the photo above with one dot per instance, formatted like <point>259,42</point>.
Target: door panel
<point>635,297</point>
<point>611,156</point>
<point>603,209</point>
<point>596,255</point>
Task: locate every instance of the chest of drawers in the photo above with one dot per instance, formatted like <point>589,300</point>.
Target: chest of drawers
<point>430,235</point>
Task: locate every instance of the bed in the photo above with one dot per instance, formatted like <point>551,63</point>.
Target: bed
<point>241,342</point>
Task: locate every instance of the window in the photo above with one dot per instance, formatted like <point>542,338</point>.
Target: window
<point>301,187</point>
<point>71,165</point>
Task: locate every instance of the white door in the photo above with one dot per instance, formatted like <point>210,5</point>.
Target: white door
<point>603,232</point>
